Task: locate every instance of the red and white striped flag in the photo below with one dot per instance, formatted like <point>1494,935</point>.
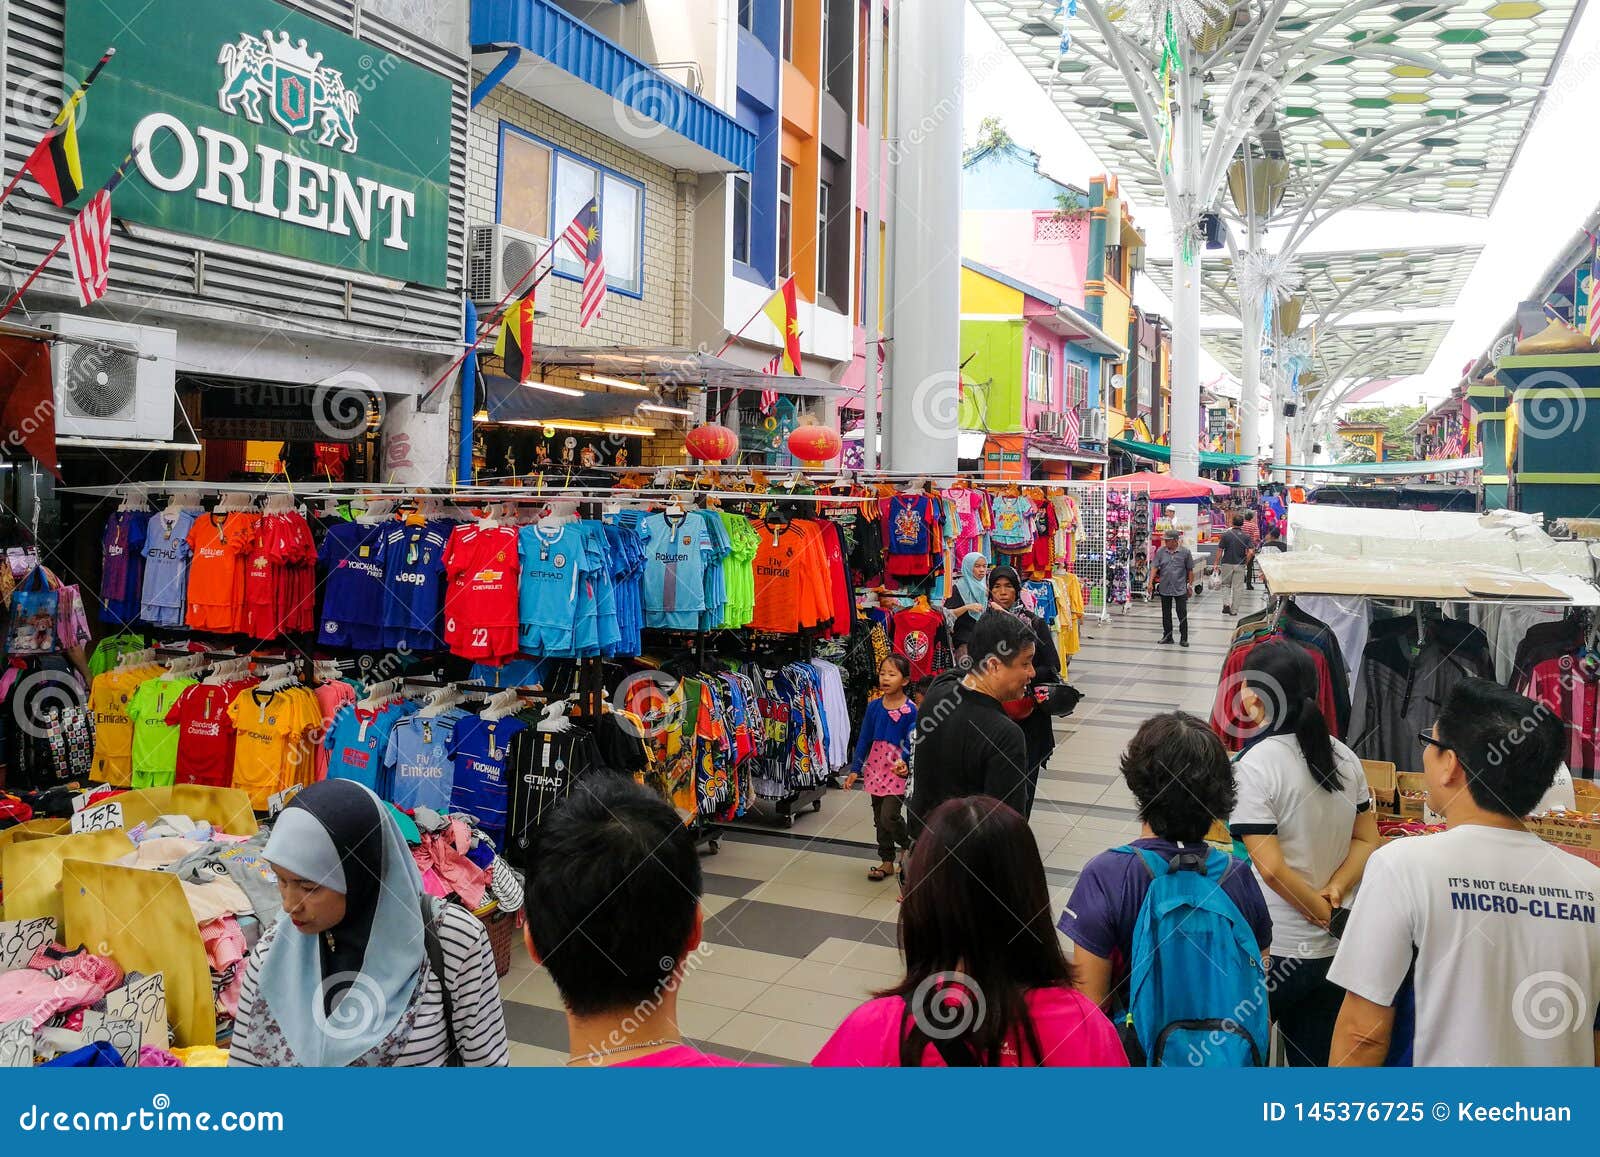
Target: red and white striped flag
<point>1074,426</point>
<point>583,235</point>
<point>89,237</point>
<point>769,398</point>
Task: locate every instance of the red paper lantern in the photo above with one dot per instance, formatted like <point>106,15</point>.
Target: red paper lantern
<point>815,444</point>
<point>711,443</point>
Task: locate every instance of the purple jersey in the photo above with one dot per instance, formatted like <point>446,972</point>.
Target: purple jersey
<point>122,569</point>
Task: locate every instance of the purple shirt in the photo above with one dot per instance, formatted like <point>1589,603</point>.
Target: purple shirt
<point>1104,908</point>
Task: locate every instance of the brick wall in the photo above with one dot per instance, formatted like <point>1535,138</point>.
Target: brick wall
<point>658,318</point>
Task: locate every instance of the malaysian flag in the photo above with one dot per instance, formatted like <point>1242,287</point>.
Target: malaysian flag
<point>769,398</point>
<point>89,240</point>
<point>1074,429</point>
<point>583,236</point>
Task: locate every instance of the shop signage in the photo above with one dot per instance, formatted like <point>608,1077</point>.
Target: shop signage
<point>263,128</point>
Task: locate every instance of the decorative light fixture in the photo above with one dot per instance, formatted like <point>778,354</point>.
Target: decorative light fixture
<point>711,443</point>
<point>615,383</point>
<point>586,427</point>
<point>552,388</point>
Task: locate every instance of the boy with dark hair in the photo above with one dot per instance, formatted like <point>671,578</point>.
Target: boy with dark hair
<point>1498,926</point>
<point>613,912</point>
<point>1180,775</point>
<point>964,743</point>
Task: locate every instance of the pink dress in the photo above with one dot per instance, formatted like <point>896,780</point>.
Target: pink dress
<point>1072,1032</point>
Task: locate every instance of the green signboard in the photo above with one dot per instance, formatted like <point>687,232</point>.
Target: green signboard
<point>263,128</point>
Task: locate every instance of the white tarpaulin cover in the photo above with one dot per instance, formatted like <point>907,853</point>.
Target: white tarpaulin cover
<point>1428,555</point>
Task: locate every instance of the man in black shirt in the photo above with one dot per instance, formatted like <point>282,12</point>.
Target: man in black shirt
<point>964,743</point>
<point>1235,556</point>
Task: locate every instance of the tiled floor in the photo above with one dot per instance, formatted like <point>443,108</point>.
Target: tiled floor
<point>797,936</point>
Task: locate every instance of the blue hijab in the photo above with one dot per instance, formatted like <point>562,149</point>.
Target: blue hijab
<point>973,589</point>
<point>339,995</point>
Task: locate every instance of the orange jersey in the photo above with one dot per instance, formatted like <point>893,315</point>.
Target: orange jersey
<point>791,578</point>
<point>216,570</point>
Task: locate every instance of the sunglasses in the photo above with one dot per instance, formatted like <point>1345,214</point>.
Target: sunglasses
<point>1428,739</point>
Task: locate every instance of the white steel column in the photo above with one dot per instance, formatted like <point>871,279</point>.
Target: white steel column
<point>1250,312</point>
<point>872,290</point>
<point>924,395</point>
<point>1186,272</point>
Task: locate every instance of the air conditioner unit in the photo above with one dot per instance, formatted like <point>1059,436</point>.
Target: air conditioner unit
<point>499,258</point>
<point>1094,426</point>
<point>1045,423</point>
<point>122,389</point>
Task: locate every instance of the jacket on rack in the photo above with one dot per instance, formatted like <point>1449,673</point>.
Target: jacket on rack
<point>1404,684</point>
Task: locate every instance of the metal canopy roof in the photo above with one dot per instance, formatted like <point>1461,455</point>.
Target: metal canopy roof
<point>1343,352</point>
<point>1352,281</point>
<point>1450,87</point>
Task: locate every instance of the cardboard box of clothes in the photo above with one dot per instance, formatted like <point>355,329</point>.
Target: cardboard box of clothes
<point>1381,782</point>
<point>1413,793</point>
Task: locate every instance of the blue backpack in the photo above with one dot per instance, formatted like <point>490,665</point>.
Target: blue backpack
<point>1197,995</point>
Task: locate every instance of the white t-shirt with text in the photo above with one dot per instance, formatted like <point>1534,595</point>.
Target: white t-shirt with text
<point>1506,940</point>
<point>1278,796</point>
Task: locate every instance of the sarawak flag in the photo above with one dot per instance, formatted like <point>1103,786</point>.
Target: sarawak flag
<point>54,161</point>
<point>515,343</point>
<point>782,313</point>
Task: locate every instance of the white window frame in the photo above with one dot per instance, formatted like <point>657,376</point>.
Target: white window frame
<point>1039,373</point>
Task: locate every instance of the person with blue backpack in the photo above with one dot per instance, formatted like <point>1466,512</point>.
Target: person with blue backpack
<point>1305,816</point>
<point>1170,935</point>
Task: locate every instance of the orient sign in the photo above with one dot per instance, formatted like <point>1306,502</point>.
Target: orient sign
<point>260,127</point>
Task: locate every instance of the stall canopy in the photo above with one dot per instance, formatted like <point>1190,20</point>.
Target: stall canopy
<point>1414,554</point>
<point>1386,469</point>
<point>1209,459</point>
<point>670,366</point>
<point>1166,488</point>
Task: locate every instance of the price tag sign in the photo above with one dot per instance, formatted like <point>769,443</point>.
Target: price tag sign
<point>277,801</point>
<point>104,817</point>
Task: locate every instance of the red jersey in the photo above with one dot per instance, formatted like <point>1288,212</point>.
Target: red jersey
<point>205,732</point>
<point>481,568</point>
<point>1570,687</point>
<point>917,637</point>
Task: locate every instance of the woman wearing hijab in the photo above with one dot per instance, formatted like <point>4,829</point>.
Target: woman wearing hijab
<point>1046,695</point>
<point>968,600</point>
<point>350,974</point>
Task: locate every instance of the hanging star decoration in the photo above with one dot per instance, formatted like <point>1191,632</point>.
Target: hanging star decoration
<point>1271,279</point>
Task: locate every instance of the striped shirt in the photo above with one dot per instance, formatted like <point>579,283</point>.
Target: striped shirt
<point>419,1038</point>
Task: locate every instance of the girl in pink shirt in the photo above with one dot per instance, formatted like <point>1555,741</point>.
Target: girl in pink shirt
<point>986,982</point>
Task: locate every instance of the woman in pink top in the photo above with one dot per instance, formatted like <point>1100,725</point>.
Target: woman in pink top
<point>986,982</point>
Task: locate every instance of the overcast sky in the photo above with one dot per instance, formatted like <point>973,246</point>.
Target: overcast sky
<point>1550,192</point>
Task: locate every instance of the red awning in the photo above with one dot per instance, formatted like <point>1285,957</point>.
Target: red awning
<point>1166,488</point>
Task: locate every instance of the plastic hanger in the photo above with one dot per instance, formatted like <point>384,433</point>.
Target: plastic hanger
<point>500,705</point>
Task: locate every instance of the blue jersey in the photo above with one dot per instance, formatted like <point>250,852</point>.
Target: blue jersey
<point>677,552</point>
<point>166,568</point>
<point>353,595</point>
<point>715,585</point>
<point>552,563</point>
<point>479,749</point>
<point>357,741</point>
<point>412,558</point>
<point>418,762</point>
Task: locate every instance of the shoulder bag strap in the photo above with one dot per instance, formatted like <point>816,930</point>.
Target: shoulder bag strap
<point>435,951</point>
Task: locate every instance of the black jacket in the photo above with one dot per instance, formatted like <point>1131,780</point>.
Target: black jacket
<point>964,744</point>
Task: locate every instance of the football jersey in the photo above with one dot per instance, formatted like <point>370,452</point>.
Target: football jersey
<point>479,749</point>
<point>357,741</point>
<point>481,568</point>
<point>417,762</point>
<point>155,741</point>
<point>790,577</point>
<point>353,592</point>
<point>554,564</point>
<point>413,573</point>
<point>205,733</point>
<point>543,768</point>
<point>216,570</point>
<point>113,730</point>
<point>271,751</point>
<point>331,695</point>
<point>163,591</point>
<point>122,566</point>
<point>678,549</point>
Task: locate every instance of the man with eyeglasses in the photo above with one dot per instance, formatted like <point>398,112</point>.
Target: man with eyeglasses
<point>1489,931</point>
